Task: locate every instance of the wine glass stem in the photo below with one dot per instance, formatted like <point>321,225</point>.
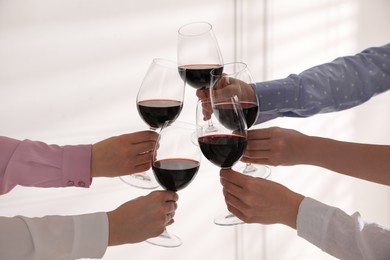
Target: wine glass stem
<point>249,168</point>
<point>210,126</point>
<point>165,234</point>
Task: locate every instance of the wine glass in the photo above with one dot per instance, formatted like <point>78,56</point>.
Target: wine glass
<point>160,99</point>
<point>226,145</point>
<point>198,53</point>
<point>176,160</point>
<point>236,81</point>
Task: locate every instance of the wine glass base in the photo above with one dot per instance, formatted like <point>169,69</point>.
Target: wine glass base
<point>258,171</point>
<point>228,220</point>
<point>165,240</point>
<point>140,180</point>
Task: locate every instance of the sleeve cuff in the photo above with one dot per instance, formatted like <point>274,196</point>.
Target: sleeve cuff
<point>77,165</point>
<point>312,221</point>
<point>91,235</point>
<point>276,97</point>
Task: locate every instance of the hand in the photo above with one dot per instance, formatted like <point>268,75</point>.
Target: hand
<point>257,200</point>
<point>229,87</point>
<point>124,154</point>
<point>275,146</point>
<point>203,93</point>
<point>142,218</point>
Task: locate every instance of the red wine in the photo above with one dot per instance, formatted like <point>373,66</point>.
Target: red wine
<point>176,173</point>
<point>223,150</point>
<point>198,75</point>
<point>155,112</point>
<point>227,117</point>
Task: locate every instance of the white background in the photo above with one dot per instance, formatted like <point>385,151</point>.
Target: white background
<point>70,71</point>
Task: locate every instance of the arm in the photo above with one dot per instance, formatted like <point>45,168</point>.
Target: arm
<point>364,161</point>
<point>278,146</point>
<point>257,200</point>
<point>38,164</point>
<point>54,237</point>
<point>338,85</point>
<point>341,235</point>
<point>86,236</point>
<point>32,163</point>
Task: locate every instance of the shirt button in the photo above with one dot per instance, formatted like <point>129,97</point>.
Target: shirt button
<point>70,183</point>
<point>81,184</point>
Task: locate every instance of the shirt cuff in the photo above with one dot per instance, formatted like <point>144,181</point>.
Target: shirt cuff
<point>91,235</point>
<point>76,165</point>
<point>276,97</point>
<point>312,221</point>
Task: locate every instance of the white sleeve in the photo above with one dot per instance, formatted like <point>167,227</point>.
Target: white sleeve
<point>341,235</point>
<point>54,237</point>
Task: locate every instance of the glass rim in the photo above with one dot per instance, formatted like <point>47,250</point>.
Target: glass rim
<point>177,122</point>
<point>182,29</point>
<point>242,66</point>
<point>166,62</point>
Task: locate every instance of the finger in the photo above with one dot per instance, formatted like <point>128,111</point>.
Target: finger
<point>170,212</point>
<point>206,110</point>
<point>202,93</point>
<point>142,148</point>
<point>236,212</point>
<point>263,133</point>
<point>142,136</point>
<point>265,161</point>
<point>258,144</point>
<point>220,83</point>
<point>170,222</point>
<point>231,188</point>
<point>142,167</point>
<point>168,218</point>
<point>170,207</point>
<point>233,201</point>
<point>233,177</point>
<point>257,154</point>
<point>143,158</point>
<point>171,196</point>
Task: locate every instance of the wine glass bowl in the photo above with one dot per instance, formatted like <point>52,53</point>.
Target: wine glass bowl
<point>176,159</point>
<point>155,112</point>
<point>236,81</point>
<point>175,163</point>
<point>159,99</point>
<point>226,145</point>
<point>198,53</point>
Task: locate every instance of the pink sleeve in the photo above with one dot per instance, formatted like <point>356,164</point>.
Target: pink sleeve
<point>36,164</point>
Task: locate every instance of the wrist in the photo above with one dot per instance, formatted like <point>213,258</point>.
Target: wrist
<point>310,149</point>
<point>94,162</point>
<point>293,209</point>
<point>112,237</point>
